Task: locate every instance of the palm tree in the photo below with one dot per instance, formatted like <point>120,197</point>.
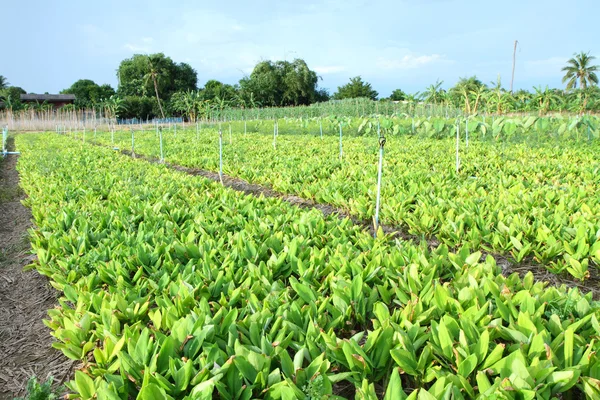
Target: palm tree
<point>3,82</point>
<point>154,74</point>
<point>579,68</point>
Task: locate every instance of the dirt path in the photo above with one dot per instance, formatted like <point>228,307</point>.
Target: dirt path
<point>25,297</point>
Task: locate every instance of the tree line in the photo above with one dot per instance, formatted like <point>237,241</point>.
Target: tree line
<point>151,86</point>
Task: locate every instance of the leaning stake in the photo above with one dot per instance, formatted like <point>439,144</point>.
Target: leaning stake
<point>379,173</point>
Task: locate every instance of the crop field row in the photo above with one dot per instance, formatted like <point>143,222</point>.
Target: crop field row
<point>491,128</point>
<point>175,287</point>
<point>528,200</point>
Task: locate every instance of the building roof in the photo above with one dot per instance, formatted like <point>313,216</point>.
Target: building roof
<point>47,97</point>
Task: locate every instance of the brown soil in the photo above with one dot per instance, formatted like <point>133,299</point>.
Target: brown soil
<point>25,297</point>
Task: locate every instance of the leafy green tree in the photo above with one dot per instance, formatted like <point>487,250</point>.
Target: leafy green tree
<point>300,83</point>
<point>356,88</point>
<point>14,91</point>
<point>214,88</point>
<point>246,102</point>
<point>11,97</point>
<point>413,97</point>
<point>522,101</point>
<point>189,104</point>
<point>3,82</point>
<point>114,107</point>
<point>143,107</point>
<point>544,99</point>
<point>322,95</point>
<point>264,84</point>
<point>398,95</point>
<point>137,76</point>
<point>219,104</point>
<point>580,68</point>
<point>497,99</point>
<point>184,78</point>
<point>88,93</point>
<point>281,83</point>
<point>468,91</point>
<point>578,100</point>
<point>593,98</point>
<point>434,93</point>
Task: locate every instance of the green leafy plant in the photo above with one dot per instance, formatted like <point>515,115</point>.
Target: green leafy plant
<point>176,287</point>
<point>511,172</point>
<point>41,391</point>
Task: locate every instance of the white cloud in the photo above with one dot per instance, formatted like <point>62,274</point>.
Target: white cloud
<point>137,49</point>
<point>329,69</point>
<point>409,61</point>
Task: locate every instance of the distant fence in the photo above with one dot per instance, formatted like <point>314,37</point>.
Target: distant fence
<point>139,121</point>
<point>49,120</point>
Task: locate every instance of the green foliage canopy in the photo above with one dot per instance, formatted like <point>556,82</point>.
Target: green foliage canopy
<point>281,83</point>
<point>88,93</point>
<point>356,88</point>
<point>170,76</point>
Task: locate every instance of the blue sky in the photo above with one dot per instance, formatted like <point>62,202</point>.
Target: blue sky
<point>391,44</point>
